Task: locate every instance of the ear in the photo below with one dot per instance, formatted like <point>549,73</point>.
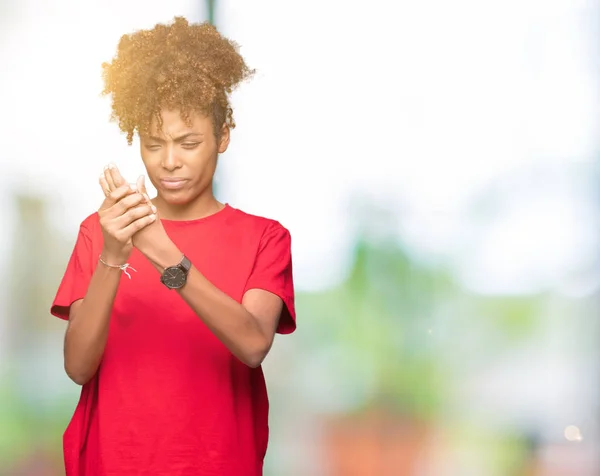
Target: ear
<point>224,139</point>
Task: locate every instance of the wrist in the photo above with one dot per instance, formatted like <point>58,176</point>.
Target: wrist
<point>164,254</point>
<point>114,258</point>
<point>120,266</point>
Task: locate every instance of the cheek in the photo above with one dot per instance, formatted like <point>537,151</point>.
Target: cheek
<point>153,159</point>
<point>202,163</point>
<point>148,159</point>
<point>151,165</point>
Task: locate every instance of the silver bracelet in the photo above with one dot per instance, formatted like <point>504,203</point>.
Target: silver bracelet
<point>122,267</point>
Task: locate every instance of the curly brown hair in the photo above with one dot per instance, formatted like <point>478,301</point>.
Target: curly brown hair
<point>189,67</point>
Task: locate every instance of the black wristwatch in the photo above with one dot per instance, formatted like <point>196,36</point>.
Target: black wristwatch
<point>175,277</point>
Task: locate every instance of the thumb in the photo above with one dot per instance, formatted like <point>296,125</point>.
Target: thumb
<point>141,186</point>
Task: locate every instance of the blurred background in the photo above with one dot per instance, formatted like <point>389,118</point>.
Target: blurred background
<point>437,165</point>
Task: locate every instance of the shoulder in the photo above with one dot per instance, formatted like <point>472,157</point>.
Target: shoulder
<point>90,226</point>
<point>263,226</point>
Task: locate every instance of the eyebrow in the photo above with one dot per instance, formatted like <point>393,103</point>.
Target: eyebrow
<point>176,139</point>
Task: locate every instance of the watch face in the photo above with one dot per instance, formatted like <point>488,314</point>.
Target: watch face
<point>174,277</point>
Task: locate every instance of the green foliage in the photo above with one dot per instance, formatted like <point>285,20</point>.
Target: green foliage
<point>381,318</point>
<point>384,332</point>
<point>517,316</point>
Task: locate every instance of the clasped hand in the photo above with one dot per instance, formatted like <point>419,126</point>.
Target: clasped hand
<point>127,217</point>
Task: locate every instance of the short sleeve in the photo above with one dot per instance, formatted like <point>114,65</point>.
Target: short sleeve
<point>272,272</point>
<point>77,276</point>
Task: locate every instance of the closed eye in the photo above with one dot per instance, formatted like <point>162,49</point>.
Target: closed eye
<point>153,146</point>
<point>190,145</point>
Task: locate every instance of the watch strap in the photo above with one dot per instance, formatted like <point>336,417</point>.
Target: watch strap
<point>185,264</point>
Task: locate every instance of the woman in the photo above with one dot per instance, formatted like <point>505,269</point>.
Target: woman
<point>172,303</point>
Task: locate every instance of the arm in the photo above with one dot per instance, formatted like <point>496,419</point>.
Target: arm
<point>246,329</point>
<point>87,330</point>
<point>121,215</point>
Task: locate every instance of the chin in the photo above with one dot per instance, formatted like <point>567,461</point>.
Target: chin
<point>177,198</point>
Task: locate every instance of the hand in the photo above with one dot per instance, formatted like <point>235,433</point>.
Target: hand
<point>150,235</point>
<point>123,213</point>
<point>111,179</point>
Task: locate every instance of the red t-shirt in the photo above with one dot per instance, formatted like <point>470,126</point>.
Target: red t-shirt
<point>169,398</point>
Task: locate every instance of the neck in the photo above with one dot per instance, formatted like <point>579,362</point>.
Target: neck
<point>202,206</point>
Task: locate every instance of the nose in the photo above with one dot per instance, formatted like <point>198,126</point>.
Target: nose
<point>170,160</point>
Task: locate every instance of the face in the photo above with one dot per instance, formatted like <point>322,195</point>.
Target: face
<point>181,160</point>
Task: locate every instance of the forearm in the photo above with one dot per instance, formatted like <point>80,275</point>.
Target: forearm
<point>87,332</point>
<point>231,323</point>
<point>229,320</point>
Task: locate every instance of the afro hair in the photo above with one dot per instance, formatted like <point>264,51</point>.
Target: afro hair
<point>178,66</point>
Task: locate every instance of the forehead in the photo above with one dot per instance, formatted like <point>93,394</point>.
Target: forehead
<point>174,125</point>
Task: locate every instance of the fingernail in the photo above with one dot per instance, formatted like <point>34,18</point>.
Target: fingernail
<point>153,208</point>
<point>112,165</point>
<point>152,217</point>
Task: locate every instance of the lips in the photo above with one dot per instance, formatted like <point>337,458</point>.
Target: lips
<point>173,183</point>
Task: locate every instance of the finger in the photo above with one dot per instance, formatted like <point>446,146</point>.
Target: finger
<point>141,186</point>
<point>104,184</point>
<point>133,214</point>
<point>131,200</point>
<point>138,225</point>
<point>114,197</point>
<point>145,205</point>
<point>109,179</point>
<point>117,178</point>
<point>118,223</point>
